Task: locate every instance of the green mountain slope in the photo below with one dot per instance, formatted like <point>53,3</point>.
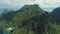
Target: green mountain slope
<point>31,19</point>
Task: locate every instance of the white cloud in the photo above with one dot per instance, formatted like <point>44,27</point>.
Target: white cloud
<point>42,3</point>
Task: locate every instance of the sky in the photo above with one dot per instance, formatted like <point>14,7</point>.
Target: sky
<point>47,5</point>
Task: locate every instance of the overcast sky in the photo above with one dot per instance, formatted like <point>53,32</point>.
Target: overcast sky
<point>47,5</point>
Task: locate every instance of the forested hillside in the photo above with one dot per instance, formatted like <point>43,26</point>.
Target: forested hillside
<point>30,19</point>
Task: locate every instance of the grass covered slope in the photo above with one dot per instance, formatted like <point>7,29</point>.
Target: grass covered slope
<point>27,14</point>
<point>28,19</point>
<point>52,28</point>
<point>31,19</point>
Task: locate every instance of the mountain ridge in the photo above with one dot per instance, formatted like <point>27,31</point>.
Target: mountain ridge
<point>31,19</point>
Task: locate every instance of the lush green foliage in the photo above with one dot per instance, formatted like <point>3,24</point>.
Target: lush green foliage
<point>30,19</point>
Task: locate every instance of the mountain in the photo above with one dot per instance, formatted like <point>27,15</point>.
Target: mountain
<point>8,16</point>
<point>30,19</point>
<point>55,14</point>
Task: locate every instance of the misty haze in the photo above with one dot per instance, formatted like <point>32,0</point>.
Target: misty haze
<point>29,16</point>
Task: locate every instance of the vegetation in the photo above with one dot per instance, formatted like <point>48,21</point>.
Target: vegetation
<point>30,19</point>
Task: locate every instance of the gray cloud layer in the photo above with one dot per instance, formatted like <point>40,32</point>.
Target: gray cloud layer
<point>47,5</point>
